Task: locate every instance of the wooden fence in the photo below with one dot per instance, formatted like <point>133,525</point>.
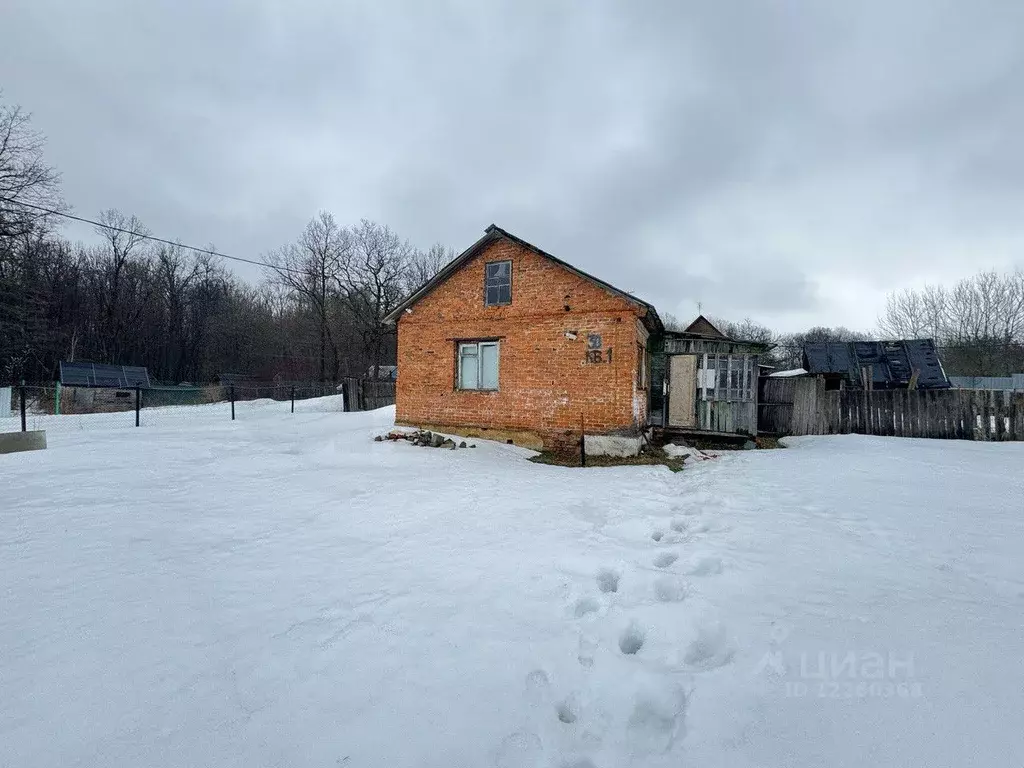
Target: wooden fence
<point>367,394</point>
<point>802,406</point>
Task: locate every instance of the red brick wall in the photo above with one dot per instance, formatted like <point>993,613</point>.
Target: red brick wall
<point>545,385</point>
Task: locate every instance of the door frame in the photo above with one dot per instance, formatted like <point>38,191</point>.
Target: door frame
<point>669,386</point>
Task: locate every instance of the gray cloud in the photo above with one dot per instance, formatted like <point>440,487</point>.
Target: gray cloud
<point>785,161</point>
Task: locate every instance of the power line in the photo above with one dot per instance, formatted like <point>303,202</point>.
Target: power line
<point>155,239</point>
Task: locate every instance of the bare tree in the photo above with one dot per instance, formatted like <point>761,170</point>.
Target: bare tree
<point>978,322</point>
<point>745,330</point>
<point>118,273</point>
<point>425,264</point>
<point>375,274</point>
<point>25,179</point>
<point>671,322</point>
<point>310,270</point>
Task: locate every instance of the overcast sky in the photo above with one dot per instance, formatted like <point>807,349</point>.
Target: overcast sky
<point>786,161</point>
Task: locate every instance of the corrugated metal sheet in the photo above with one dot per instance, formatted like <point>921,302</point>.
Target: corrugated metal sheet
<point>1016,381</point>
<point>892,363</point>
<point>79,374</point>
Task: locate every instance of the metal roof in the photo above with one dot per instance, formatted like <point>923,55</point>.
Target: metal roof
<point>892,363</point>
<point>80,374</point>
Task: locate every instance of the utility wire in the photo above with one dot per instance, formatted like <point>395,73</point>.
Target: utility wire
<point>155,239</point>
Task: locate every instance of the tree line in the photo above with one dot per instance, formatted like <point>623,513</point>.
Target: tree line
<point>317,314</point>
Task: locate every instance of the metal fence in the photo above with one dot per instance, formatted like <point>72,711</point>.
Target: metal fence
<point>72,409</point>
<point>1014,382</point>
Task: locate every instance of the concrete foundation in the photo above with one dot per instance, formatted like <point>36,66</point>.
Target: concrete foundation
<point>620,446</point>
<point>15,442</point>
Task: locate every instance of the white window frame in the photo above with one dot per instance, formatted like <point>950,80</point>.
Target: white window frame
<point>479,345</point>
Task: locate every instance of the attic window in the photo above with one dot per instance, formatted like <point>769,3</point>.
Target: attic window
<point>497,283</point>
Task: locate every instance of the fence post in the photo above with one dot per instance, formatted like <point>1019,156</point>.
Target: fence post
<point>138,403</point>
<point>56,399</point>
<point>232,389</point>
<point>24,421</point>
<point>583,443</point>
<point>293,399</point>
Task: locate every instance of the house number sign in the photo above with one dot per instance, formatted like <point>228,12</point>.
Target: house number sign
<point>595,354</point>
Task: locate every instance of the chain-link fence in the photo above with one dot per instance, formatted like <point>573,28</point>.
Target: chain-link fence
<point>59,409</point>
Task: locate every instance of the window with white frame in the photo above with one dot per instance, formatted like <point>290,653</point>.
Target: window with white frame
<point>497,283</point>
<point>727,377</point>
<point>478,365</point>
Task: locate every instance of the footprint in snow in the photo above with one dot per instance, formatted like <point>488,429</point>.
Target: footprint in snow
<point>586,651</point>
<point>668,589</point>
<point>608,580</point>
<point>632,639</point>
<point>521,749</point>
<point>658,718</point>
<point>665,559</point>
<point>567,710</point>
<point>679,525</point>
<point>658,535</point>
<point>585,606</point>
<point>710,649</point>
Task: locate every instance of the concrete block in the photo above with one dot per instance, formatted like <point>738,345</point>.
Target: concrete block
<point>612,445</point>
<point>14,442</point>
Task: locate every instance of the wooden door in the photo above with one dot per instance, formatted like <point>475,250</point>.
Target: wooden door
<point>682,395</point>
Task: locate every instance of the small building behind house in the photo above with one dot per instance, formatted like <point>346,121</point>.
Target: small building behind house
<point>382,372</point>
<point>704,383</point>
<point>509,342</point>
<point>870,365</point>
<point>86,386</point>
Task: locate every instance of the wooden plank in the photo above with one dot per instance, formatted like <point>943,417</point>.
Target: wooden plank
<point>999,413</point>
<point>976,412</point>
<point>682,410</point>
<point>940,413</point>
<point>986,415</point>
<point>898,402</point>
<point>1018,415</point>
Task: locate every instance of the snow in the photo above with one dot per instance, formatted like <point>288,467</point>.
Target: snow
<point>787,374</point>
<point>281,590</point>
<point>687,452</point>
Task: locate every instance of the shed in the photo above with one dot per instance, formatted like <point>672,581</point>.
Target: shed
<point>703,381</point>
<point>88,385</point>
<point>900,364</point>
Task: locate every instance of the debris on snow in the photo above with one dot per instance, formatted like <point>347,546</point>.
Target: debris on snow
<point>686,452</point>
<point>421,437</point>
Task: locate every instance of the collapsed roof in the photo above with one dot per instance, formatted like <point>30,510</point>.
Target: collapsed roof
<point>891,363</point>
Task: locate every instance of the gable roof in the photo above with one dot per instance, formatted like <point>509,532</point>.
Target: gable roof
<point>494,233</point>
<point>703,327</point>
<point>892,363</point>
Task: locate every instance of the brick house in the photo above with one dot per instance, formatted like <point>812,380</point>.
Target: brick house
<point>509,342</point>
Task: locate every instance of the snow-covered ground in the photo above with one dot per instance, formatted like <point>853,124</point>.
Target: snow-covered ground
<point>281,590</point>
